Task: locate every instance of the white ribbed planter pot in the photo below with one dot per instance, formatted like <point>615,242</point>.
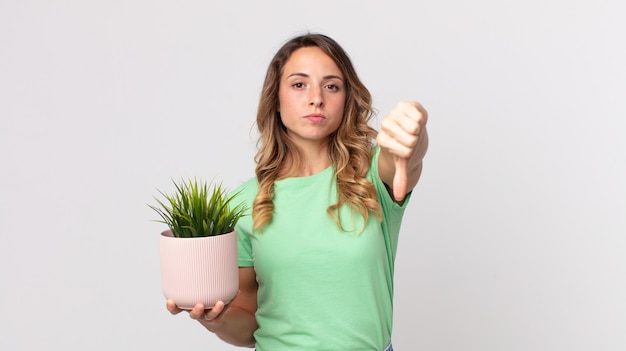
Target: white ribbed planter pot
<point>199,270</point>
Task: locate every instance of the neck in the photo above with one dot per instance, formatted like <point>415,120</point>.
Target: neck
<point>314,159</point>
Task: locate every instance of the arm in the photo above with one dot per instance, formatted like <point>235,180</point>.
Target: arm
<point>234,323</point>
<point>404,140</point>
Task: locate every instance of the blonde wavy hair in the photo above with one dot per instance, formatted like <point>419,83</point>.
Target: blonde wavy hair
<point>350,146</point>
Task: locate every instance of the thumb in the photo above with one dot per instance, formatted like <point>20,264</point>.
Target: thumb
<point>399,178</point>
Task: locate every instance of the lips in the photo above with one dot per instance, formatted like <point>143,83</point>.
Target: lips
<point>315,118</point>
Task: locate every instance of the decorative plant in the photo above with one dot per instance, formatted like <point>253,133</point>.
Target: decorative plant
<point>199,209</point>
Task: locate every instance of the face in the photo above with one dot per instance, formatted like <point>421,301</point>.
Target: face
<point>311,95</point>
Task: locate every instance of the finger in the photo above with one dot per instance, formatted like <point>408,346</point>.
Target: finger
<point>400,178</point>
<point>197,311</point>
<point>397,134</point>
<point>214,312</point>
<point>410,123</point>
<point>414,110</point>
<point>171,306</point>
<point>414,121</point>
<point>393,145</point>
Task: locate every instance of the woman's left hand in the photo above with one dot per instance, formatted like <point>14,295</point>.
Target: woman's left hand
<point>403,136</point>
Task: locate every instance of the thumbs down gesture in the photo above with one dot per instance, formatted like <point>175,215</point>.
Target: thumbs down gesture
<point>403,141</point>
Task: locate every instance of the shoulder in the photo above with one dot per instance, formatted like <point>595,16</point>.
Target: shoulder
<point>246,191</point>
<point>249,184</point>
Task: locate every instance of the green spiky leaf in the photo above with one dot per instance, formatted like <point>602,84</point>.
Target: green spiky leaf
<point>199,209</point>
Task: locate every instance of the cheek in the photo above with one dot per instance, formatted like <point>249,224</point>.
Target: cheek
<point>340,104</point>
<point>285,100</point>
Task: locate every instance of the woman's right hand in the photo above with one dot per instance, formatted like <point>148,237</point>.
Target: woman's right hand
<point>234,322</point>
<point>209,317</point>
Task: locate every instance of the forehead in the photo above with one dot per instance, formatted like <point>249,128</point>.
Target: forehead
<point>311,60</point>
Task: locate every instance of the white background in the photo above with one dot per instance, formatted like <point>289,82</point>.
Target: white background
<point>514,239</point>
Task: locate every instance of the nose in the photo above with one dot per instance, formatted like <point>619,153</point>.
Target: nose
<point>316,98</point>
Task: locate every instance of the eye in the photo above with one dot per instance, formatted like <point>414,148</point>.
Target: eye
<point>298,85</point>
<point>332,87</point>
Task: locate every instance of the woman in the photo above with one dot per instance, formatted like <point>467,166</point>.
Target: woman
<point>316,254</point>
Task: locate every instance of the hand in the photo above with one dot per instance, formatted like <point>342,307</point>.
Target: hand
<point>208,317</point>
<point>400,135</point>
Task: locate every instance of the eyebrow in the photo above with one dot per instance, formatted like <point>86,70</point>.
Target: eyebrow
<point>300,74</point>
